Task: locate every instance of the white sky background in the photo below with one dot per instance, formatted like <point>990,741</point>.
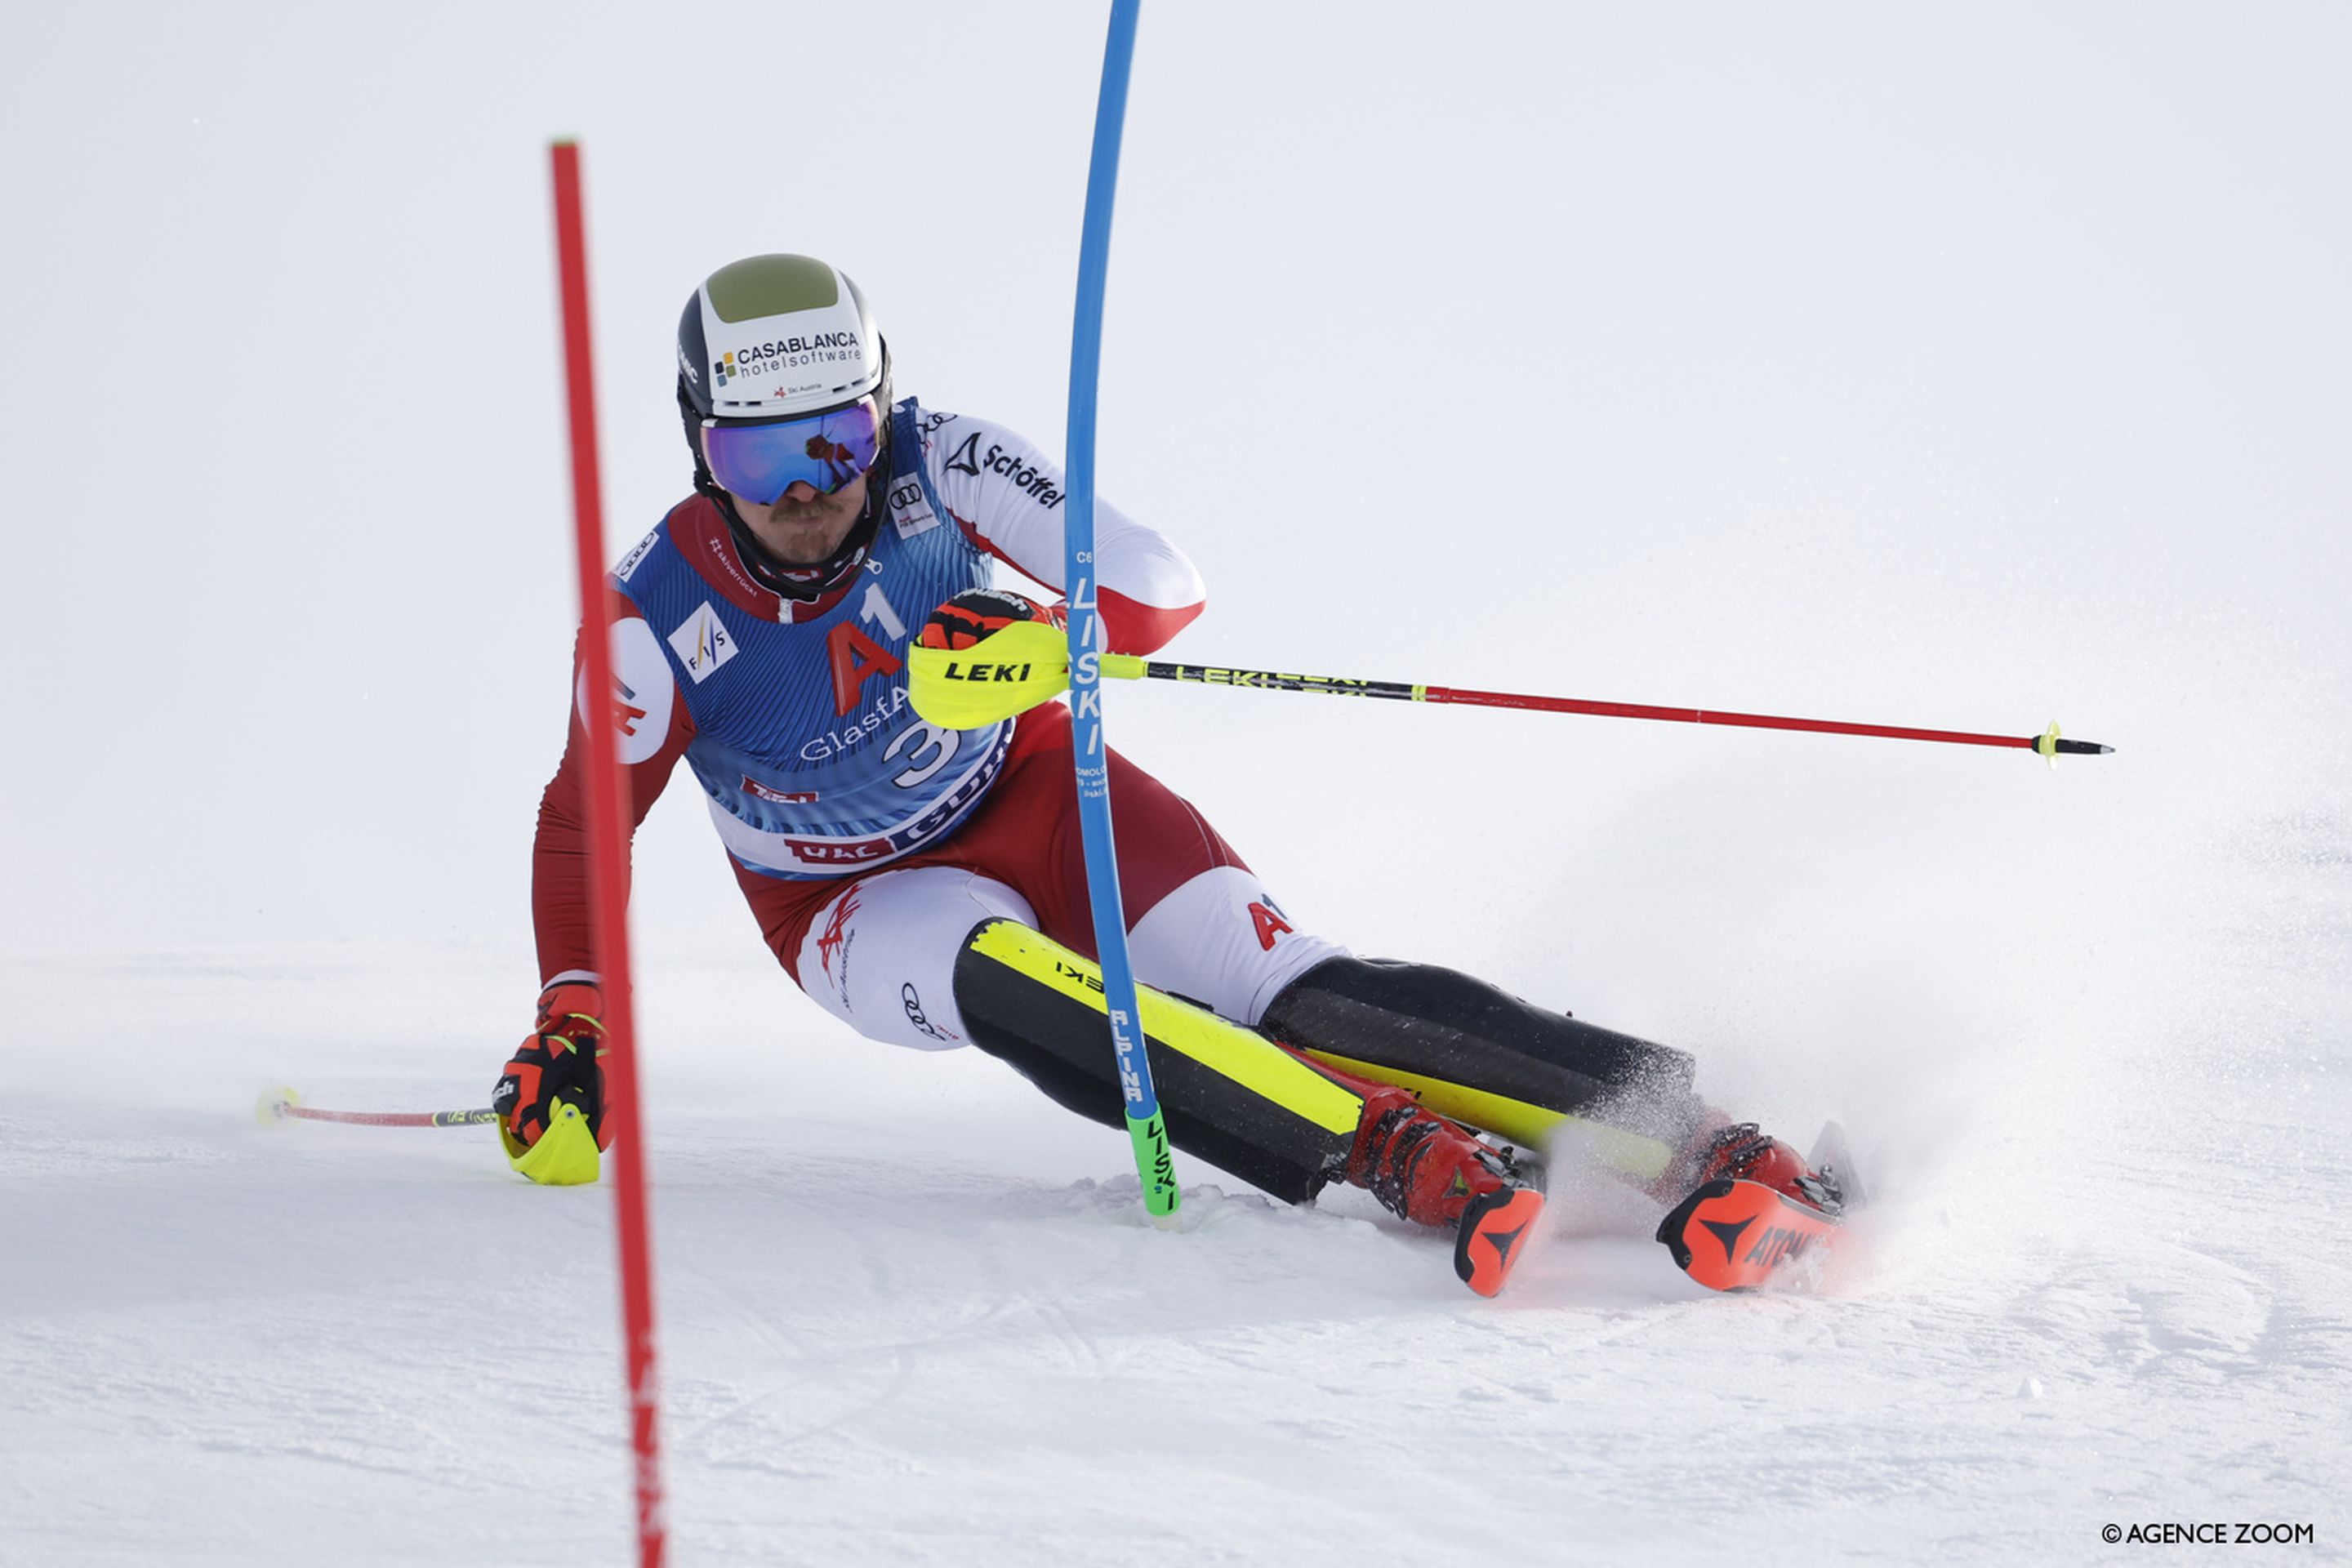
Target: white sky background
<point>1964,369</point>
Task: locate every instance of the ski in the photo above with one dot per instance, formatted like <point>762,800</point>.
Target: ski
<point>1834,1161</point>
<point>1739,1235</point>
<point>1732,1235</point>
<point>1492,1237</point>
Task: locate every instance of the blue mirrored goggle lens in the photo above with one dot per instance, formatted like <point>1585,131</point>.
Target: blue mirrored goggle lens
<point>826,451</point>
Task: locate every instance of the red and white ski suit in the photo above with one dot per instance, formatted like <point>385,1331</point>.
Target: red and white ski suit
<point>868,843</point>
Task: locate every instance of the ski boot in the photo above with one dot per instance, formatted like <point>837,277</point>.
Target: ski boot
<point>1753,1207</point>
<point>1433,1172</point>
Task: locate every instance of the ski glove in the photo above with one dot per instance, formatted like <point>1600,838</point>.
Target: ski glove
<point>985,655</point>
<point>977,613</point>
<point>550,1102</point>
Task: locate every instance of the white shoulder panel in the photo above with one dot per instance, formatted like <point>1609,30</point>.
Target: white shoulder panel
<point>1009,494</point>
<point>647,689</point>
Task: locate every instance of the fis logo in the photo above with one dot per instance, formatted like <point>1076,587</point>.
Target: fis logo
<point>702,643</point>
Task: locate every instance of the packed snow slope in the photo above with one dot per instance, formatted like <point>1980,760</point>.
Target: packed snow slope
<point>911,1313</point>
<point>1958,370</point>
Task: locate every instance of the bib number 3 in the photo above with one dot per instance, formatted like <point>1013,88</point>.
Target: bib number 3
<point>925,748</point>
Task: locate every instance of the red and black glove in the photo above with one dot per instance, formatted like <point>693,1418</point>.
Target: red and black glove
<point>973,615</point>
<point>557,1065</point>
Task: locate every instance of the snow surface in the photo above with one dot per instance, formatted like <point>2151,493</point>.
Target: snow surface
<point>911,1313</point>
<point>1955,370</point>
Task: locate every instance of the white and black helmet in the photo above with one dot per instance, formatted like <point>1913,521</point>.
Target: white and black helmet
<point>774,337</point>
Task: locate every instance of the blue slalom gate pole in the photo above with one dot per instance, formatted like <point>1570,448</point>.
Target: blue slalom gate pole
<point>1146,1127</point>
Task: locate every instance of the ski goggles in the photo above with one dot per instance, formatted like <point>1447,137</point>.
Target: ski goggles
<point>826,451</point>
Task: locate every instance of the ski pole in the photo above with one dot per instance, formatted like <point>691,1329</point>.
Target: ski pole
<point>280,1105</point>
<point>1125,667</point>
<point>1017,667</point>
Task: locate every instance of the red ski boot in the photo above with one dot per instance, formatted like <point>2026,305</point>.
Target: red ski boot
<point>1754,1206</point>
<point>1432,1171</point>
<point>1742,1153</point>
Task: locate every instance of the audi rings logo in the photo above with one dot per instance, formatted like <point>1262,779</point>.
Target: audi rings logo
<point>913,1001</point>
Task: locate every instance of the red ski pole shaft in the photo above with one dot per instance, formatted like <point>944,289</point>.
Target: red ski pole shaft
<point>608,827</point>
<point>482,1118</point>
<point>1741,720</point>
<point>283,1105</point>
<point>2048,743</point>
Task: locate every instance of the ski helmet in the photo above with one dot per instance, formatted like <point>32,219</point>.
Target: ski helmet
<point>780,337</point>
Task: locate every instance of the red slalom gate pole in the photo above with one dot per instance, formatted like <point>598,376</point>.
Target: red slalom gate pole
<point>608,848</point>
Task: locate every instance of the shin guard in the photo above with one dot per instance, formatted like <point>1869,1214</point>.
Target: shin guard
<point>1232,1096</point>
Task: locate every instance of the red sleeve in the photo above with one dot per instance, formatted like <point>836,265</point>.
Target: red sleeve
<point>1131,627</point>
<point>654,731</point>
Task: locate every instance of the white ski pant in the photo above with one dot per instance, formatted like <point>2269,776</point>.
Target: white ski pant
<point>881,955</point>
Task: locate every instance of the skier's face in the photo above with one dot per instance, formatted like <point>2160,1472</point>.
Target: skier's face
<point>802,526</point>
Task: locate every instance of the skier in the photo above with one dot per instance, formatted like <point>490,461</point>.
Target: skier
<point>925,885</point>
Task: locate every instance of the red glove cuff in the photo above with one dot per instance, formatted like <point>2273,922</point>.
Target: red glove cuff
<point>573,1008</point>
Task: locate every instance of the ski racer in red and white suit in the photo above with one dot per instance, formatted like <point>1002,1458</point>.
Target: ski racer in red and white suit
<point>906,874</point>
<point>868,842</point>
